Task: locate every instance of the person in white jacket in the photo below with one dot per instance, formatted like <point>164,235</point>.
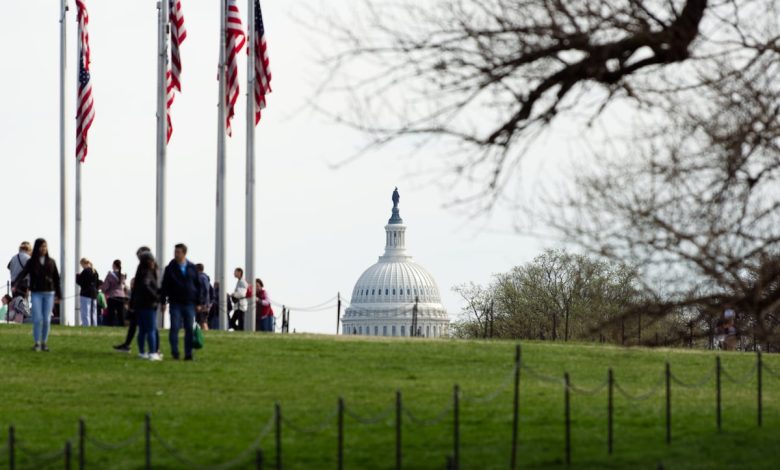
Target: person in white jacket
<point>239,301</point>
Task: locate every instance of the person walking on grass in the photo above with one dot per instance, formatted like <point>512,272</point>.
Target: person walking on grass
<point>87,281</point>
<point>116,292</point>
<point>144,300</point>
<point>206,292</point>
<point>239,301</point>
<point>181,288</point>
<point>45,286</point>
<point>131,314</point>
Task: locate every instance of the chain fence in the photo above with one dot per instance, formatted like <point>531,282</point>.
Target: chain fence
<point>335,421</point>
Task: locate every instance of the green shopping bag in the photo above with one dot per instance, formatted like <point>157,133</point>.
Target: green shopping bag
<point>197,337</point>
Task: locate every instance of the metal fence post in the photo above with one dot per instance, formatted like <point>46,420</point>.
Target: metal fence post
<point>398,410</point>
<point>760,376</point>
<point>148,440</point>
<point>668,404</point>
<point>278,430</point>
<point>259,459</point>
<point>68,451</point>
<point>341,435</point>
<point>11,448</point>
<point>610,408</point>
<point>456,427</point>
<point>82,438</point>
<point>567,416</point>
<point>515,410</point>
<point>717,394</point>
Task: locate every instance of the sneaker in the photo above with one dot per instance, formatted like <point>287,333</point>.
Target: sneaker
<point>122,348</point>
<point>188,358</point>
<point>175,356</point>
<point>44,347</point>
<point>155,357</point>
<point>143,356</point>
<point>37,347</point>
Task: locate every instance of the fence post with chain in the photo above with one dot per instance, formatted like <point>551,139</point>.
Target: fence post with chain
<point>259,459</point>
<point>759,366</point>
<point>68,451</point>
<point>668,404</point>
<point>82,438</point>
<point>11,447</point>
<point>610,391</point>
<point>456,427</point>
<point>567,416</point>
<point>718,392</point>
<point>515,410</point>
<point>398,412</point>
<point>278,433</point>
<point>148,440</point>
<point>341,434</point>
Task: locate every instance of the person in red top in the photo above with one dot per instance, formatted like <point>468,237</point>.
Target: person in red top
<point>264,314</point>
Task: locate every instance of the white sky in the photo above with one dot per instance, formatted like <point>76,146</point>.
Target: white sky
<point>318,228</point>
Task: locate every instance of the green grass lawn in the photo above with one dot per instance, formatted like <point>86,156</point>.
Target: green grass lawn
<point>214,408</point>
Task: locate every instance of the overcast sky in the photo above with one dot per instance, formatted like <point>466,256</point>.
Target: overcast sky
<point>317,228</point>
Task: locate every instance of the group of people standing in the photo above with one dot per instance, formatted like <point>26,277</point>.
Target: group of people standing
<point>185,290</point>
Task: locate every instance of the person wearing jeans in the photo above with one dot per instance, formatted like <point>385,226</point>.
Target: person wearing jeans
<point>87,281</point>
<point>45,286</point>
<point>181,288</point>
<point>144,299</point>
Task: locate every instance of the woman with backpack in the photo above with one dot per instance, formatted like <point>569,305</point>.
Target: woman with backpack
<point>116,294</point>
<point>87,281</point>
<point>45,286</point>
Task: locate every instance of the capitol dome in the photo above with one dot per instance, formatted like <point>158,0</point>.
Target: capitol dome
<point>396,296</point>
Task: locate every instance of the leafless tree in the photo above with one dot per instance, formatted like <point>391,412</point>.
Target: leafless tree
<point>688,192</point>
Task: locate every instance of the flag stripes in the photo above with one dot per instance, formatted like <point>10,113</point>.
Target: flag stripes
<point>173,74</point>
<point>235,40</point>
<point>262,67</point>
<point>85,105</point>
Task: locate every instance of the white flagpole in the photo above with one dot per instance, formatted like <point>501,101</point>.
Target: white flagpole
<point>77,253</point>
<point>64,265</point>
<point>219,254</point>
<point>250,165</point>
<point>162,128</point>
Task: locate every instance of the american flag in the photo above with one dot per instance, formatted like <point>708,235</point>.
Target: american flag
<point>173,74</point>
<point>235,40</point>
<point>85,104</point>
<point>262,68</point>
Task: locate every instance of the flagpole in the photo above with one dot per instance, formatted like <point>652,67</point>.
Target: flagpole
<point>64,265</point>
<point>162,41</point>
<point>250,165</point>
<point>77,252</point>
<point>219,253</point>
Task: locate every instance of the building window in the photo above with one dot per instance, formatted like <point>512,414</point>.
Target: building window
<point>384,331</point>
<point>372,291</point>
<point>408,292</point>
<point>387,292</point>
<point>393,291</point>
<point>393,330</point>
<point>376,331</point>
<point>380,291</point>
<point>403,330</point>
<point>360,330</point>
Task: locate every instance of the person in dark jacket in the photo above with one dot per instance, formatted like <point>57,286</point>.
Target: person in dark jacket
<point>205,297</point>
<point>45,286</point>
<point>181,288</point>
<point>131,314</point>
<point>87,281</point>
<point>144,300</point>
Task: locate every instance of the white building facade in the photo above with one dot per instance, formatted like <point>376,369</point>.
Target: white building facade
<point>396,293</point>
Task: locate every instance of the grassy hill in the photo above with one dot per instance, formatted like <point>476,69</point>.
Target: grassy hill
<point>213,408</point>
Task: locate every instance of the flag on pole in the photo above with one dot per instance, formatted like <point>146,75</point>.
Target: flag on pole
<point>235,40</point>
<point>85,105</point>
<point>262,68</point>
<point>173,74</point>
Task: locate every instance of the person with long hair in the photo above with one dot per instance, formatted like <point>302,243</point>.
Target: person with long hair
<point>45,286</point>
<point>87,281</point>
<point>132,314</point>
<point>263,311</point>
<point>115,290</point>
<point>144,300</point>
